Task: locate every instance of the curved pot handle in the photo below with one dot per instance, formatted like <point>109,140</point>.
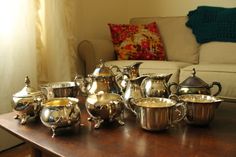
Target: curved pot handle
<point>131,101</point>
<point>170,85</point>
<point>81,82</point>
<point>219,87</point>
<point>180,112</point>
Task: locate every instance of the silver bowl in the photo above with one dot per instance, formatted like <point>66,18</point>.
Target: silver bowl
<point>200,108</point>
<point>105,107</point>
<point>60,89</point>
<point>60,113</point>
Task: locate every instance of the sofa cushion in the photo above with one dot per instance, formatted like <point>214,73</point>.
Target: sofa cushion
<point>180,44</point>
<point>218,52</point>
<point>158,67</point>
<point>137,41</point>
<point>223,73</point>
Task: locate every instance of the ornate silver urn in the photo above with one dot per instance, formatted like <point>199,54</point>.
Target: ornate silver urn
<point>27,102</point>
<point>194,85</point>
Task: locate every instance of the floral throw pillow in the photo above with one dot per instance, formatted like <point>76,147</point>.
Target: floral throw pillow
<point>137,42</point>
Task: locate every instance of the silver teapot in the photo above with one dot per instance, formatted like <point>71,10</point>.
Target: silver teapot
<point>156,85</point>
<point>194,85</point>
<point>102,79</point>
<point>27,102</point>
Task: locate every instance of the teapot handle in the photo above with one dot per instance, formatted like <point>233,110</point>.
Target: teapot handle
<point>116,68</point>
<point>170,85</point>
<point>219,87</point>
<point>81,82</point>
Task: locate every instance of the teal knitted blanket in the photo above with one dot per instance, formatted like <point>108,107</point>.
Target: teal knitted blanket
<point>213,24</point>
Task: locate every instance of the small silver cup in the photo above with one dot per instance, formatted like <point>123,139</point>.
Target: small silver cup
<point>200,108</point>
<point>157,114</point>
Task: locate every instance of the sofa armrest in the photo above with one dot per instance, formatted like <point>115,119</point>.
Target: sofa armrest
<point>91,51</point>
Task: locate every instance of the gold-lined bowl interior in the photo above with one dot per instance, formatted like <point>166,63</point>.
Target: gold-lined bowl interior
<point>59,84</point>
<point>60,102</point>
<point>199,98</point>
<point>154,102</point>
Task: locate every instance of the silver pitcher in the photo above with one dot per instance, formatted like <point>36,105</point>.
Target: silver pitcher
<point>156,86</point>
<point>129,73</point>
<point>133,90</point>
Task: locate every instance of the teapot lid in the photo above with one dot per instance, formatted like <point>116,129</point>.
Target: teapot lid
<point>102,70</point>
<point>193,81</point>
<point>27,91</point>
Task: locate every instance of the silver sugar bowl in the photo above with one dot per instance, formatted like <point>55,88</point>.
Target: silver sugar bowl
<point>27,102</point>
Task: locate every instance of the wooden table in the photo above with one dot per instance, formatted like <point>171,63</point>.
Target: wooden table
<point>218,139</point>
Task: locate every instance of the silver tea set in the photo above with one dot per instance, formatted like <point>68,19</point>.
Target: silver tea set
<point>110,91</point>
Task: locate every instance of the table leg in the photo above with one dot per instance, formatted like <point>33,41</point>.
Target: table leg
<point>36,152</point>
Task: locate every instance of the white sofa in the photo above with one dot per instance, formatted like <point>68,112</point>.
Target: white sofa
<point>213,61</point>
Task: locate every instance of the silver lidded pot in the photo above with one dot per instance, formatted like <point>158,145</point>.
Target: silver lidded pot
<point>27,102</point>
<point>194,85</point>
<point>60,113</point>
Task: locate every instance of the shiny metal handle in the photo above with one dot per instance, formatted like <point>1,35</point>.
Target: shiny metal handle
<point>81,82</point>
<point>180,112</point>
<point>118,71</point>
<point>170,85</point>
<point>49,92</point>
<point>219,87</point>
<point>131,101</point>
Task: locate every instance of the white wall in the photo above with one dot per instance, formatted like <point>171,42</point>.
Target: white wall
<point>93,16</point>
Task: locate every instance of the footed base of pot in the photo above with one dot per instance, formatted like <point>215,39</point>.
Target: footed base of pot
<point>24,118</point>
<point>62,130</point>
<point>99,121</point>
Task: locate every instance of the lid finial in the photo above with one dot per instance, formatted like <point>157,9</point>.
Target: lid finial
<point>27,81</point>
<point>194,72</point>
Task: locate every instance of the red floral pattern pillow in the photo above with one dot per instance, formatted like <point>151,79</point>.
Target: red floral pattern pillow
<point>137,42</point>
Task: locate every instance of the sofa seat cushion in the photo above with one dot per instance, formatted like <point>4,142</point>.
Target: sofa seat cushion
<point>223,73</point>
<point>218,53</point>
<point>159,67</point>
